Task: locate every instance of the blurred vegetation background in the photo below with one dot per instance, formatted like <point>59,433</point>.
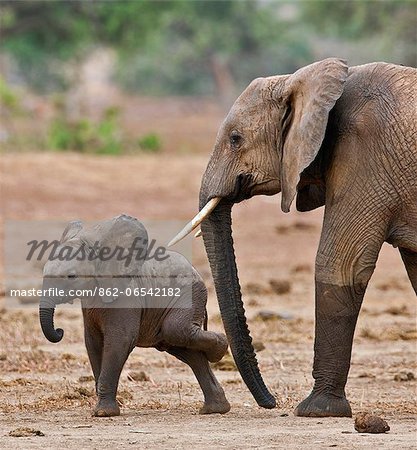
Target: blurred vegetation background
<point>74,74</point>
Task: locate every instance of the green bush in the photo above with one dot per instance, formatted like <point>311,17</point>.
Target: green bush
<point>110,141</point>
<point>150,142</point>
<point>85,136</point>
<point>8,99</point>
<point>59,135</point>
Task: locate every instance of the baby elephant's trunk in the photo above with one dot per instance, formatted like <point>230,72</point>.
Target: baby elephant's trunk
<point>46,316</point>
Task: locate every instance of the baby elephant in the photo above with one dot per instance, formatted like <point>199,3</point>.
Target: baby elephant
<point>131,299</point>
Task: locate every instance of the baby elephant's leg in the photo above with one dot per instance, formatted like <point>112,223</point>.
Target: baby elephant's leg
<point>214,399</point>
<point>94,345</point>
<point>115,353</point>
<point>214,345</point>
<point>113,362</point>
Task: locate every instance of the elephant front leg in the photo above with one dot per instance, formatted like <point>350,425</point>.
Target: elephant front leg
<point>114,358</point>
<point>94,346</point>
<point>337,310</point>
<point>345,262</point>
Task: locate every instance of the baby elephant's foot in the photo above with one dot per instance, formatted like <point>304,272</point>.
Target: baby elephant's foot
<point>106,409</point>
<point>218,350</point>
<point>215,407</point>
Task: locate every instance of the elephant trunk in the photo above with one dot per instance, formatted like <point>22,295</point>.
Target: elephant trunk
<point>217,235</point>
<point>46,317</point>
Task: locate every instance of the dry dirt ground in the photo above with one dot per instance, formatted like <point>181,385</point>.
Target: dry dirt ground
<point>40,384</point>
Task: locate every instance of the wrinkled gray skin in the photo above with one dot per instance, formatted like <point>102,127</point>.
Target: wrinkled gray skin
<point>112,331</point>
<point>329,135</point>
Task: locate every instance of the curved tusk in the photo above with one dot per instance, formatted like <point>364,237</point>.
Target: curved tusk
<point>194,223</point>
<point>198,234</point>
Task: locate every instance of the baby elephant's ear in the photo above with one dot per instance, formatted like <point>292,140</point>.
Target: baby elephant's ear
<point>71,230</point>
<point>126,241</point>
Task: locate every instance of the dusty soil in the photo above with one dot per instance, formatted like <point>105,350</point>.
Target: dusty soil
<point>40,384</point>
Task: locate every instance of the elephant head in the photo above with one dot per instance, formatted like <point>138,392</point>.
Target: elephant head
<point>92,260</point>
<point>272,133</point>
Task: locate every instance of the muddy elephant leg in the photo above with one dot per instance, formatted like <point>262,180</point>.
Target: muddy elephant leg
<point>94,346</point>
<point>214,399</point>
<point>345,262</point>
<point>410,261</point>
<point>115,353</point>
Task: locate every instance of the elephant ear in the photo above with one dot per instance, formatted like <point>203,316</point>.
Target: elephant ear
<point>123,243</point>
<point>71,230</point>
<point>310,93</point>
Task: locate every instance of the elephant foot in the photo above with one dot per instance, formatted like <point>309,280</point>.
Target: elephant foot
<point>106,409</point>
<point>323,405</point>
<point>218,351</point>
<point>215,407</point>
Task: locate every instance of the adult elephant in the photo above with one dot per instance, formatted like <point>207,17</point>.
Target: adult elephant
<point>333,136</point>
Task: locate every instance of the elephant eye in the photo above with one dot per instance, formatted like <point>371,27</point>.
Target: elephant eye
<point>72,276</point>
<point>235,139</point>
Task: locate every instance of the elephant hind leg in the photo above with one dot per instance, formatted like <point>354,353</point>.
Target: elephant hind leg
<point>214,345</point>
<point>410,261</point>
<point>214,398</point>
